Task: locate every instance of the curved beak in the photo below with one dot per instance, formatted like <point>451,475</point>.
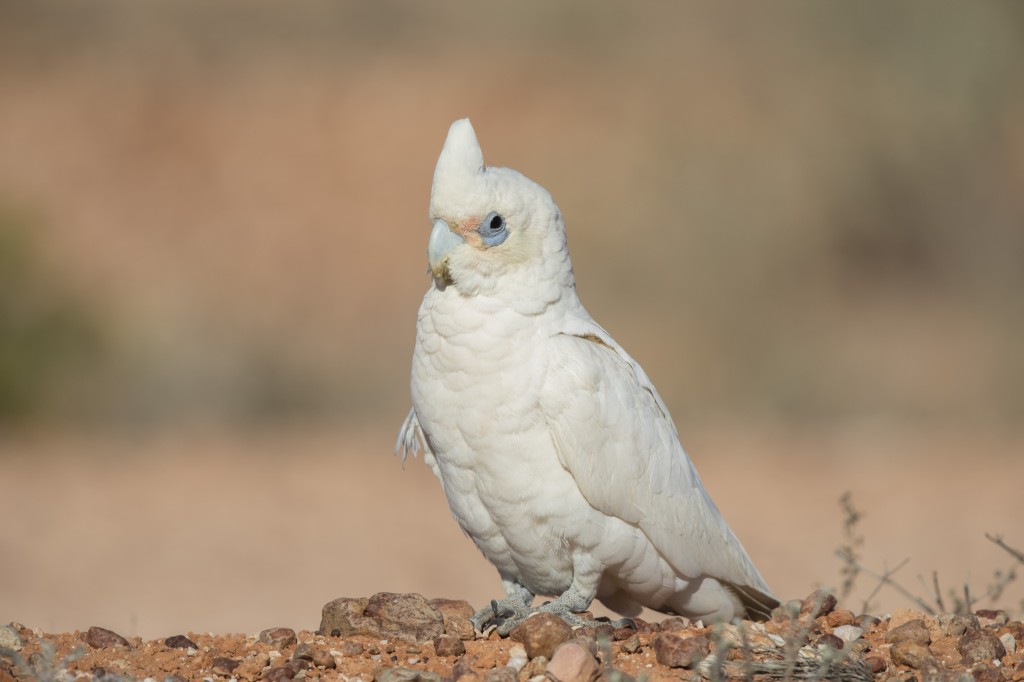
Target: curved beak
<point>442,242</point>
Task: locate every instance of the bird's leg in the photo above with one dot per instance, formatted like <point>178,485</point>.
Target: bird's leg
<point>514,608</point>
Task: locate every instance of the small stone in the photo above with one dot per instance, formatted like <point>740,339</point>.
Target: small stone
<point>866,621</point>
<point>323,659</point>
<point>10,638</point>
<point>350,648</point>
<point>223,666</point>
<point>832,641</point>
<point>642,625</point>
<point>818,603</point>
<point>980,646</point>
<point>839,617</point>
<point>997,616</point>
<point>453,607</point>
<point>848,633</point>
<point>517,658</point>
<point>875,664</point>
<point>279,674</point>
<point>463,669</point>
<point>631,645</point>
<point>278,638</point>
<point>459,627</point>
<point>101,638</point>
<point>681,652</point>
<point>572,662</point>
<point>622,634</point>
<point>541,633</point>
<point>987,673</point>
<point>501,674</point>
<point>534,668</point>
<point>180,642</point>
<point>1009,643</point>
<point>954,624</point>
<point>911,631</point>
<point>303,652</point>
<point>448,645</point>
<point>673,624</point>
<point>911,654</point>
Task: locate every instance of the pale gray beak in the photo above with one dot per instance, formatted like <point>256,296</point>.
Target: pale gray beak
<point>442,242</point>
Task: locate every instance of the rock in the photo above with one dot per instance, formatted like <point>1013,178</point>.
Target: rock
<point>10,638</point>
<point>986,673</point>
<point>818,603</point>
<point>572,662</point>
<point>517,658</point>
<point>303,652</point>
<point>631,645</point>
<point>911,654</point>
<point>673,624</point>
<point>848,633</point>
<point>1009,643</point>
<point>350,648</point>
<point>534,668</point>
<point>839,617</point>
<point>980,646</point>
<point>323,659</point>
<point>954,625</point>
<point>541,633</point>
<point>500,675</point>
<point>832,641</point>
<point>681,652</point>
<point>278,638</point>
<point>448,645</point>
<point>406,675</point>
<point>385,615</point>
<point>875,664</point>
<point>279,674</point>
<point>910,631</point>
<point>996,616</point>
<point>453,607</point>
<point>459,627</point>
<point>866,621</point>
<point>223,666</point>
<point>179,642</point>
<point>101,638</point>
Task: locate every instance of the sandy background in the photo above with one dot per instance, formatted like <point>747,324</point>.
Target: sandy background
<point>806,223</point>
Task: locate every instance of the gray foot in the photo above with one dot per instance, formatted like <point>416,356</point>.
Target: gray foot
<point>506,614</point>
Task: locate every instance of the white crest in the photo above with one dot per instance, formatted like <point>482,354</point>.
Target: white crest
<point>460,162</point>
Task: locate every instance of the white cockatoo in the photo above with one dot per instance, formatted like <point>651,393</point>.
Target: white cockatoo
<point>557,455</point>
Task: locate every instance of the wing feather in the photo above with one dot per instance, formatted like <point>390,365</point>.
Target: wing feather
<point>614,435</point>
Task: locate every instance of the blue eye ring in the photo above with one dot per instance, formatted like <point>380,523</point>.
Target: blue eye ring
<point>493,229</point>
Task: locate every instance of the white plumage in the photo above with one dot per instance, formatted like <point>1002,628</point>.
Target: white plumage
<point>556,454</point>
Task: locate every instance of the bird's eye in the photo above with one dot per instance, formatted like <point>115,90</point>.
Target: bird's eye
<point>493,229</point>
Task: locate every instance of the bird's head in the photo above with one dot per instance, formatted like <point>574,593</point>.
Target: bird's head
<point>495,231</point>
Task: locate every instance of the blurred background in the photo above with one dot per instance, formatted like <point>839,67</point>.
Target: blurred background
<point>806,221</point>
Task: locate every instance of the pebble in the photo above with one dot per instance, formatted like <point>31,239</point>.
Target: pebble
<point>10,638</point>
<point>459,627</point>
<point>323,659</point>
<point>517,658</point>
<point>572,662</point>
<point>875,664</point>
<point>223,666</point>
<point>180,642</point>
<point>631,645</point>
<point>818,603</point>
<point>998,617</point>
<point>535,668</point>
<point>911,654</point>
<point>408,617</point>
<point>673,624</point>
<point>350,649</point>
<point>980,646</point>
<point>453,607</point>
<point>101,638</point>
<point>839,617</point>
<point>848,633</point>
<point>910,631</point>
<point>1009,643</point>
<point>679,652</point>
<point>449,645</point>
<point>541,633</point>
<point>278,638</point>
<point>303,652</point>
<point>832,641</point>
<point>954,625</point>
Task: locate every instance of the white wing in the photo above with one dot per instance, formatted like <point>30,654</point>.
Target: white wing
<point>614,435</point>
<point>411,439</point>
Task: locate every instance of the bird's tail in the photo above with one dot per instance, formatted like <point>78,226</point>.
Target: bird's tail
<point>758,604</point>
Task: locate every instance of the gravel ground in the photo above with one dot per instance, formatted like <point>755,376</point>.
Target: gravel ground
<point>407,638</point>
